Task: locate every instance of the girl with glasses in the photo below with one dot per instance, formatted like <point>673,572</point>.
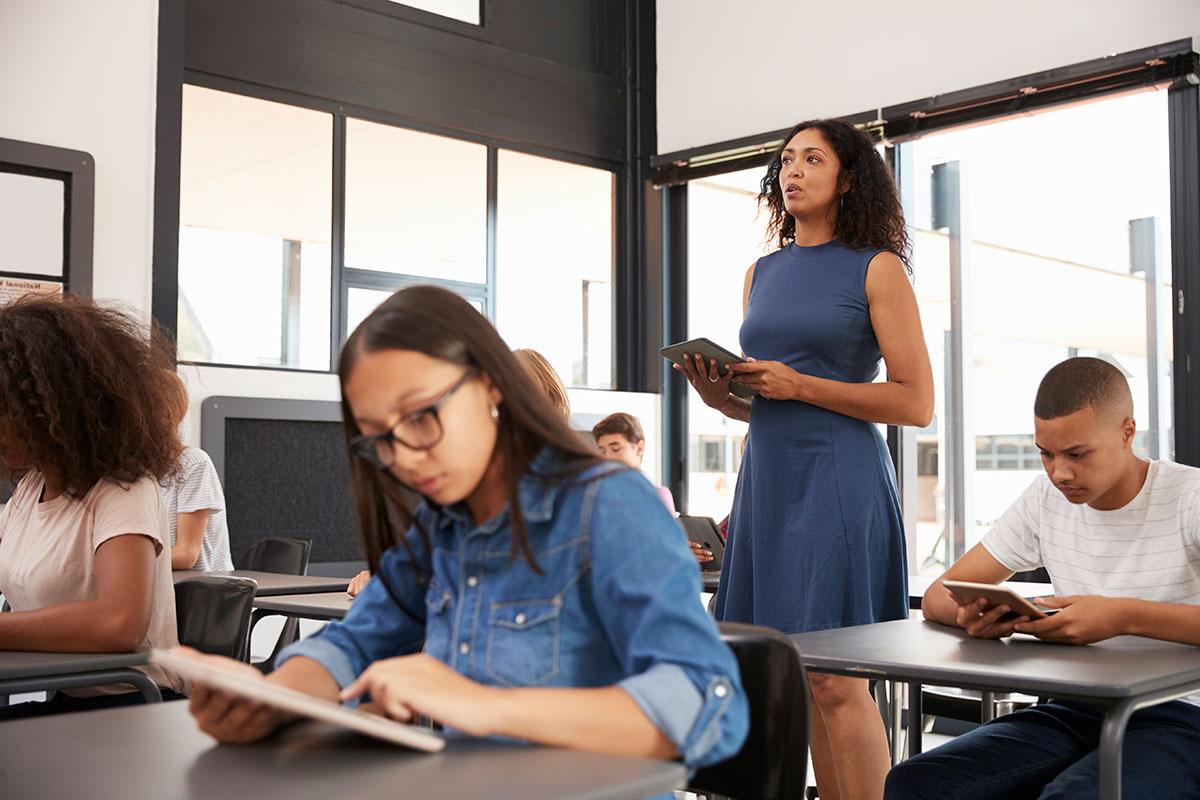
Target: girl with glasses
<point>513,602</point>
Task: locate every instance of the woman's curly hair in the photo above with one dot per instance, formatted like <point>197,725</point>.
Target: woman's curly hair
<point>86,392</point>
<point>870,213</point>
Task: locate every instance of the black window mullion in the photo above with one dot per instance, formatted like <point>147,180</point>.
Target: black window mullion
<point>337,250</point>
<point>492,193</point>
<point>1183,113</point>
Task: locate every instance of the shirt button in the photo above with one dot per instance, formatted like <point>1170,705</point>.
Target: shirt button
<point>472,581</point>
<point>720,691</point>
<point>464,648</point>
<point>520,619</point>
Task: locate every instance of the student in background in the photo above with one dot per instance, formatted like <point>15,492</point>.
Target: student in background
<point>196,507</point>
<point>620,438</point>
<point>86,418</point>
<point>545,376</point>
<point>1120,538</point>
<point>539,617</point>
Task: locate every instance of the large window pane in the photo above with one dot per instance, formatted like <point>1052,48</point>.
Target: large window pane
<point>725,235</point>
<point>255,220</point>
<point>554,263</point>
<point>415,203</point>
<point>1063,210</point>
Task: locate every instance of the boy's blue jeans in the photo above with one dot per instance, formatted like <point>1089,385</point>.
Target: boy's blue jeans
<point>1050,751</point>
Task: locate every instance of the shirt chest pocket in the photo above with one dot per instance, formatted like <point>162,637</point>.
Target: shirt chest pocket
<point>523,641</point>
<point>437,622</point>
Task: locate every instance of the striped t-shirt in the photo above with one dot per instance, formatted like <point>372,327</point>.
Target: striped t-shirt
<point>196,488</point>
<point>1148,549</point>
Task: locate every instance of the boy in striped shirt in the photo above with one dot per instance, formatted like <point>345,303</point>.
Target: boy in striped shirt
<point>1120,537</point>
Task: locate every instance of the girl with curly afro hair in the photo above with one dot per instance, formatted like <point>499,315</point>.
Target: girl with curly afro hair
<point>87,407</point>
<point>816,539</point>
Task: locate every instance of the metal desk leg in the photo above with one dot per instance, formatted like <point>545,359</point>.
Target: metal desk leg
<point>896,721</point>
<point>987,706</point>
<point>1112,736</point>
<point>915,718</point>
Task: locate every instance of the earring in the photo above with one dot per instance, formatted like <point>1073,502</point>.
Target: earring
<point>495,414</point>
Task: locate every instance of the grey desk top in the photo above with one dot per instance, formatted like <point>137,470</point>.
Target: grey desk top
<point>710,581</point>
<point>916,650</point>
<point>321,605</point>
<point>156,751</point>
<point>23,664</point>
<point>272,583</point>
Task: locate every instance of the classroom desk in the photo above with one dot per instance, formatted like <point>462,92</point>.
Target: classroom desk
<point>1122,674</point>
<point>22,671</point>
<point>271,584</point>
<point>321,605</point>
<point>155,752</point>
<point>709,581</point>
<point>917,586</point>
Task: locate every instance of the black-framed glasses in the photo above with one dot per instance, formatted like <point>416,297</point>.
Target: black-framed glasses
<point>417,430</point>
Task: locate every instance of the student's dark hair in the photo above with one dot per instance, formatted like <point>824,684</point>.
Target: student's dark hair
<point>1079,383</point>
<point>621,424</point>
<point>870,214</point>
<point>440,324</point>
<point>87,391</point>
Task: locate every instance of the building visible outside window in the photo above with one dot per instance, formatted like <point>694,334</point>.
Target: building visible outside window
<point>255,223</point>
<point>554,264</point>
<point>1064,208</point>
<point>725,235</point>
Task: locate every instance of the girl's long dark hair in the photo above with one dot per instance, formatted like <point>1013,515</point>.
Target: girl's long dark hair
<point>440,324</point>
<point>870,214</point>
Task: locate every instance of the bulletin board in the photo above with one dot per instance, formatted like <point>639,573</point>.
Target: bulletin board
<point>47,203</point>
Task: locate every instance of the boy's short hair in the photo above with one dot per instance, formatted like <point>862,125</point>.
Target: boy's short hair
<point>1079,383</point>
<point>620,423</point>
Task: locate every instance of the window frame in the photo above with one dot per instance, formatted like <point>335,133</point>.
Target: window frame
<point>1172,65</point>
<point>343,278</point>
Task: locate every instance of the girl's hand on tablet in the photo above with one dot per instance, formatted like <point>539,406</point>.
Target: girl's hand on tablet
<point>227,717</point>
<point>405,687</point>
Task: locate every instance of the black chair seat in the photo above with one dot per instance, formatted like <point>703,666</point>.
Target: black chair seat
<point>773,763</point>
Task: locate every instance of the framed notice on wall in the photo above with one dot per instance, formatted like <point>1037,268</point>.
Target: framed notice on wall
<point>47,197</point>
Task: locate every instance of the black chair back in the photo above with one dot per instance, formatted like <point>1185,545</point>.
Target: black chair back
<point>213,614</point>
<point>773,763</point>
<point>279,555</point>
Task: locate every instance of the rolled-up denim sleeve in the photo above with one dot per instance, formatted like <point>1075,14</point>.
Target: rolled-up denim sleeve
<point>647,591</point>
<point>386,619</point>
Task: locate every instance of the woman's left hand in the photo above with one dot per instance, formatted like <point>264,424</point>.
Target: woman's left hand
<point>407,686</point>
<point>773,380</point>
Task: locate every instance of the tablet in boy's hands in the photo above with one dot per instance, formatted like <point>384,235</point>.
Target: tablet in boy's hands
<point>709,350</point>
<point>997,595</point>
<point>218,676</point>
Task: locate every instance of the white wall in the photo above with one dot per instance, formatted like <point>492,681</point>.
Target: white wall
<point>731,70</point>
<point>81,74</point>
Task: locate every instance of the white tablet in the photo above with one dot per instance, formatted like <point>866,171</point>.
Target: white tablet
<point>225,679</point>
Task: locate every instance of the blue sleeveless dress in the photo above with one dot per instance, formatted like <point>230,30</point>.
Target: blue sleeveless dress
<point>816,539</point>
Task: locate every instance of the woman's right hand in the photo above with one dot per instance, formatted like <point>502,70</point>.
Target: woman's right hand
<point>713,390</point>
<point>230,718</point>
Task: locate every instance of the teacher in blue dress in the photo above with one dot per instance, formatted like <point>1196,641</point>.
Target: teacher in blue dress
<point>816,539</point>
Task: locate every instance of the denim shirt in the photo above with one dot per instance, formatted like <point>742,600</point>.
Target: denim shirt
<point>617,603</point>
